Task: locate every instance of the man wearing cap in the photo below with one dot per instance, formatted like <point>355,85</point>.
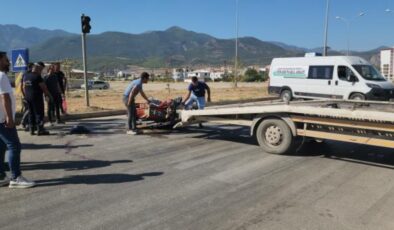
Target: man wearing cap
<point>33,89</point>
<point>132,90</point>
<point>9,139</point>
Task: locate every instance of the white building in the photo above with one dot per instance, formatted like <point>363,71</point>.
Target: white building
<point>202,75</point>
<point>78,73</point>
<point>120,74</point>
<point>216,76</point>
<point>387,63</point>
<point>184,74</point>
<point>179,74</point>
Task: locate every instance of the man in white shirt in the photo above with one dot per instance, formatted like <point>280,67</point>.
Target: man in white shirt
<point>9,139</point>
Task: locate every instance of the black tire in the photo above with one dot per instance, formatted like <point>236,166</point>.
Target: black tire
<point>274,136</point>
<point>286,95</point>
<point>105,87</point>
<point>357,96</point>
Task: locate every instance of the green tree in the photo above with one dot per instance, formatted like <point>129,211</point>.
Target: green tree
<point>251,75</point>
<point>264,76</point>
<point>228,77</point>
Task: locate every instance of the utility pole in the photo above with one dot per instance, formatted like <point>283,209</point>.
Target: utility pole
<point>85,74</point>
<point>326,29</point>
<point>85,22</point>
<point>236,46</point>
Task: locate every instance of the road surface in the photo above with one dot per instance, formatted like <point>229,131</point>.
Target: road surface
<point>211,178</point>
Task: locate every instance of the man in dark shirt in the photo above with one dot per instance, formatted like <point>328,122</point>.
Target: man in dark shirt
<point>52,83</point>
<point>25,107</point>
<point>33,89</point>
<point>197,94</point>
<point>62,83</point>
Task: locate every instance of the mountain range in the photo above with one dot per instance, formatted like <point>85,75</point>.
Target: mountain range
<point>173,47</point>
<point>13,36</point>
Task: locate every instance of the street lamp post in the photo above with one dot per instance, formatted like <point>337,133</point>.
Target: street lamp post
<point>388,9</point>
<point>347,22</point>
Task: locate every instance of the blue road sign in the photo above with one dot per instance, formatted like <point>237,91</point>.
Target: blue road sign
<point>20,60</point>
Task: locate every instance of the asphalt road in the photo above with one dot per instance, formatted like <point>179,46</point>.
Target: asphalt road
<point>211,178</point>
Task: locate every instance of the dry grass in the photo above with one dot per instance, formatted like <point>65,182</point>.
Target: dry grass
<point>112,99</point>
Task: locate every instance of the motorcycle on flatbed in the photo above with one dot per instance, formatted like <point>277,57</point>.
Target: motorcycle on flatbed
<point>158,114</point>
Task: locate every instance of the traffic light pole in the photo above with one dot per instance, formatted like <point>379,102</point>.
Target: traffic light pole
<point>85,75</point>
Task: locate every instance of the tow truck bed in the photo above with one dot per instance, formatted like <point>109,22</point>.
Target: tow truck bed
<point>274,123</point>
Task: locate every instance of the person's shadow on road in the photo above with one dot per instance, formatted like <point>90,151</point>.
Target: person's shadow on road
<point>70,165</point>
<point>50,146</point>
<point>97,179</point>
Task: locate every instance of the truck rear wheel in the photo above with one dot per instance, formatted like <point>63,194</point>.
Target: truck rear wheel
<point>286,96</point>
<point>274,136</point>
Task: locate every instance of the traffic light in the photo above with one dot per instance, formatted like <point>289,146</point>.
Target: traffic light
<point>85,22</point>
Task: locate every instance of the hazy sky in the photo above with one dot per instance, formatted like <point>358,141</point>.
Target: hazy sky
<point>295,22</point>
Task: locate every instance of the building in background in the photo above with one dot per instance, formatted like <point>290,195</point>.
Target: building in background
<point>79,74</point>
<point>387,63</point>
<point>216,75</point>
<point>202,75</point>
<point>180,74</point>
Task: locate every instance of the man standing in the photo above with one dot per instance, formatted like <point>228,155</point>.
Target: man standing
<point>33,89</point>
<point>8,135</point>
<point>52,83</point>
<point>25,106</point>
<point>197,94</point>
<point>132,90</point>
<point>62,83</point>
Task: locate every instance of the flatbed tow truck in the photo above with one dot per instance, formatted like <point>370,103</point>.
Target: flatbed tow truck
<point>276,125</point>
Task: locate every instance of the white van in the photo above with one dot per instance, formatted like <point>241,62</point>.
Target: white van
<point>332,77</point>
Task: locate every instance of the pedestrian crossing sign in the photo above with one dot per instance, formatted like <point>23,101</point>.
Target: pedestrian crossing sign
<point>20,60</point>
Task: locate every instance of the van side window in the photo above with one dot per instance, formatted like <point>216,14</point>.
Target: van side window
<point>344,73</point>
<point>321,72</point>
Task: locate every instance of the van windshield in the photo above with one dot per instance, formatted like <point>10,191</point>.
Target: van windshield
<point>369,72</point>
